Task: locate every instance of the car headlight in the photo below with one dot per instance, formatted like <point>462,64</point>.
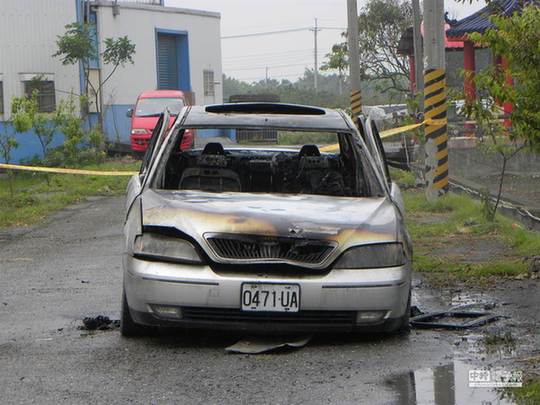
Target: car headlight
<point>139,131</point>
<point>167,248</point>
<point>372,256</point>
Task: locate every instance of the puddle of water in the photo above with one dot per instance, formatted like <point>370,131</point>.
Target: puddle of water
<point>444,385</point>
<point>466,298</point>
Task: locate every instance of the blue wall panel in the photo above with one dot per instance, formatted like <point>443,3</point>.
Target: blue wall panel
<point>117,124</point>
<point>29,145</point>
<point>225,132</point>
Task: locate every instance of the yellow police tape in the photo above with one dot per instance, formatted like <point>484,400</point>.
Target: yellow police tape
<point>66,171</point>
<point>393,131</point>
<point>329,148</point>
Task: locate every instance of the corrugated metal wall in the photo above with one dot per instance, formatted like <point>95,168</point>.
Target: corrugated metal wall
<point>28,33</point>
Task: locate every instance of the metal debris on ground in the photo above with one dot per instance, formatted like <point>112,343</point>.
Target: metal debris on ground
<point>459,317</point>
<point>415,311</point>
<point>99,322</point>
<point>265,344</point>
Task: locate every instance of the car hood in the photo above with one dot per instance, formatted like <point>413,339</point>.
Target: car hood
<point>347,221</point>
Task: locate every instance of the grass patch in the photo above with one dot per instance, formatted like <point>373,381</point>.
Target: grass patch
<point>37,194</point>
<point>404,178</point>
<point>453,239</point>
<point>304,138</point>
<point>529,394</point>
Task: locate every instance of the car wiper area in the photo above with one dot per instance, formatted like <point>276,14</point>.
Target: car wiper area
<point>148,115</point>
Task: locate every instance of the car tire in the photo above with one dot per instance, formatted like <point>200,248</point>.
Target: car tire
<point>405,325</point>
<point>128,327</point>
<point>400,325</point>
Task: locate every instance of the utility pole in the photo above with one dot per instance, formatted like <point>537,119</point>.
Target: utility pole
<point>354,58</point>
<point>315,30</point>
<point>418,54</point>
<point>436,135</point>
<point>266,77</point>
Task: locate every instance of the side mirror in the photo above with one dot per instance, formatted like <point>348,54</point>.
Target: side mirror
<point>129,113</point>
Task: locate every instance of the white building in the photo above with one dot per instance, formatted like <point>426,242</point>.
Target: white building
<point>176,48</point>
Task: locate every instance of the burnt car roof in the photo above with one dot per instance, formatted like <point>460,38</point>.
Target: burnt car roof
<point>275,115</point>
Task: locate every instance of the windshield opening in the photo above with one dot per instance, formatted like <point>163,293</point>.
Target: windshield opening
<point>153,107</point>
<point>267,160</point>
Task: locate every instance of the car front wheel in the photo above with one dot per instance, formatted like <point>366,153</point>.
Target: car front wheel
<point>128,327</point>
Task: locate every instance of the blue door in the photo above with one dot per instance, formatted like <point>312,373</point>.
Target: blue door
<point>167,62</point>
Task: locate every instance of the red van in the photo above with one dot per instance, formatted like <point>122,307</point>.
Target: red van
<point>150,104</point>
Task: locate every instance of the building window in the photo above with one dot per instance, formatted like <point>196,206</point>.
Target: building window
<point>46,96</point>
<point>1,97</point>
<point>208,79</point>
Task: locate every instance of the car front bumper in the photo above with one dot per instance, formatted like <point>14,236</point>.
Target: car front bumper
<point>139,142</point>
<point>329,302</point>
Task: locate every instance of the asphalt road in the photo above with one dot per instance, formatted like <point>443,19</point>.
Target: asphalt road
<point>55,274</point>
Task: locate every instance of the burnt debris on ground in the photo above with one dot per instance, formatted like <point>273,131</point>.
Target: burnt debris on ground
<point>459,317</point>
<point>99,322</point>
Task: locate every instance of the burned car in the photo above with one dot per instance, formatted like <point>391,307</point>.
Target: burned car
<point>305,234</point>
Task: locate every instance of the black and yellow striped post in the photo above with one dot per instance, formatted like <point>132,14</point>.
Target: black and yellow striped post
<point>356,104</point>
<point>436,135</point>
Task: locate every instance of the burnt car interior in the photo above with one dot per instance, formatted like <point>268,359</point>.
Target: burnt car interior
<point>302,169</point>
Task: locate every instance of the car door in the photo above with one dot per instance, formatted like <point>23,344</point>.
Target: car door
<point>375,146</point>
<point>374,142</point>
<point>158,134</point>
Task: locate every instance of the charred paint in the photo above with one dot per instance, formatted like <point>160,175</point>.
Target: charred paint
<point>346,221</point>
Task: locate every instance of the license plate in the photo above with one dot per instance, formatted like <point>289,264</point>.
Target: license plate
<point>270,297</point>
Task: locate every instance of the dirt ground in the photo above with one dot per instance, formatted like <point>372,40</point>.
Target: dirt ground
<point>55,274</point>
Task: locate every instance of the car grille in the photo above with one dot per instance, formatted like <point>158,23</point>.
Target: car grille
<point>343,318</point>
<point>260,248</point>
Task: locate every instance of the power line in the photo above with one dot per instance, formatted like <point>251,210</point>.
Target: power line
<point>292,51</point>
<point>258,34</point>
<point>315,29</point>
<point>271,59</point>
<point>266,62</point>
<point>270,76</point>
<point>266,66</point>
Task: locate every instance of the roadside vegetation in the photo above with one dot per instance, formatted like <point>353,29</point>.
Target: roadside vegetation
<point>36,195</point>
<point>27,198</point>
<point>529,394</point>
<point>455,239</point>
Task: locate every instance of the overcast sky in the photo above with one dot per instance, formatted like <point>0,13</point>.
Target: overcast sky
<point>285,55</point>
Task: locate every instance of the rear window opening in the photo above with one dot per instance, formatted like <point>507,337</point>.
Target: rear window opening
<point>267,160</point>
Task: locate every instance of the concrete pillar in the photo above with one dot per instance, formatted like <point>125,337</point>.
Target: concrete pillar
<point>435,129</point>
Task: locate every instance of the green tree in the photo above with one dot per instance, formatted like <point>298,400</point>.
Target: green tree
<point>515,38</point>
<point>299,92</point>
<point>380,26</point>
<point>77,45</point>
<point>22,111</point>
<point>337,60</point>
<point>71,125</point>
